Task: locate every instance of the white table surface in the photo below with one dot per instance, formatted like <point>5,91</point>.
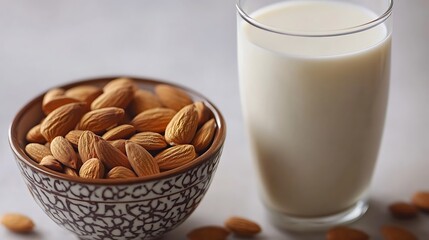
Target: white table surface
<point>45,43</point>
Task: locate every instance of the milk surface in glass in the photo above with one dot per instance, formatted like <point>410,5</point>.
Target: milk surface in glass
<point>314,107</point>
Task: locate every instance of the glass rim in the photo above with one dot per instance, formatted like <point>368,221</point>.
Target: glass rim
<point>338,32</point>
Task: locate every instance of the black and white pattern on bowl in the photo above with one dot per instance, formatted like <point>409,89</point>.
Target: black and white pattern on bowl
<point>136,211</point>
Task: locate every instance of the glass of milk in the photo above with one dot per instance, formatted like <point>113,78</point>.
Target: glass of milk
<point>314,80</point>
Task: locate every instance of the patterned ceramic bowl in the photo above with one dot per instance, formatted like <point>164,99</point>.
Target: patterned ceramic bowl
<point>140,208</point>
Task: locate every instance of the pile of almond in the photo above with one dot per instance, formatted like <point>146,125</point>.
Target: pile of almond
<point>119,131</point>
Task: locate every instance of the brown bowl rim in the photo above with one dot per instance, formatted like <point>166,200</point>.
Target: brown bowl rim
<point>214,148</point>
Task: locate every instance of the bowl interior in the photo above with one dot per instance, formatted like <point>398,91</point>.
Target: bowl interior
<point>31,114</point>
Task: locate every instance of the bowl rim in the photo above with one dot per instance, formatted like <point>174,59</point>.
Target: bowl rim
<point>214,148</point>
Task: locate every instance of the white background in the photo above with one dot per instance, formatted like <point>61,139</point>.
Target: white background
<point>45,43</point>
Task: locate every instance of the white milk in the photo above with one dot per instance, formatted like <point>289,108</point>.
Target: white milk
<point>314,107</point>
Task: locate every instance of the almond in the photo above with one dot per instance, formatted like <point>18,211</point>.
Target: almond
<point>204,113</point>
<point>153,120</point>
<point>86,146</point>
<point>204,136</point>
<point>18,223</point>
<point>109,155</point>
<point>144,100</point>
<point>118,83</point>
<point>35,136</point>
<point>51,163</point>
<point>342,233</point>
<point>121,131</point>
<point>402,210</point>
<point>73,137</point>
<point>57,102</point>
<point>37,151</point>
<point>63,151</point>
<point>84,93</point>
<point>70,172</point>
<point>140,159</point>
<point>172,97</point>
<point>120,172</point>
<point>208,233</point>
<point>242,227</point>
<point>182,127</point>
<point>396,233</point>
<point>119,144</point>
<point>120,98</point>
<point>101,119</point>
<point>51,94</point>
<point>62,120</point>
<point>93,169</point>
<point>149,140</point>
<point>421,200</point>
<point>175,156</point>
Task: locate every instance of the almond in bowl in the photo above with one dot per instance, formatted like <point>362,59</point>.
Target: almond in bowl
<point>102,157</point>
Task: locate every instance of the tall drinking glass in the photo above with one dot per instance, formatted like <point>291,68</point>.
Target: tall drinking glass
<point>314,79</point>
